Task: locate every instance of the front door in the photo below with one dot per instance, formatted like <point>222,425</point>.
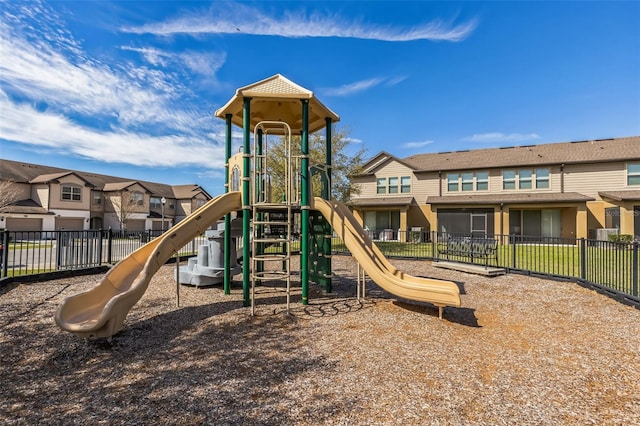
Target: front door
<point>479,224</point>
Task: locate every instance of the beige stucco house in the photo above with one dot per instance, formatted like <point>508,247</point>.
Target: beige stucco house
<point>45,198</point>
<point>567,190</point>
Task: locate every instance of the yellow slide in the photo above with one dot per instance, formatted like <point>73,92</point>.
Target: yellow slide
<point>440,293</point>
<point>100,312</point>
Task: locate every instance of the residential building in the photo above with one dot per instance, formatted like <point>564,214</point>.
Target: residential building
<point>569,189</point>
<point>45,198</point>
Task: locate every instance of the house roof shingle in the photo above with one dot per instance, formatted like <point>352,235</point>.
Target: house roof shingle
<point>549,197</point>
<point>617,149</point>
<point>22,172</point>
<point>630,195</point>
<point>383,201</point>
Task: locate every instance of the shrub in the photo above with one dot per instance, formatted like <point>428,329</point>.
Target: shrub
<point>621,238</point>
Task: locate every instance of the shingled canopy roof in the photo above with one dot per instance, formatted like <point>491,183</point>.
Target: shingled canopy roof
<point>528,197</point>
<point>277,99</point>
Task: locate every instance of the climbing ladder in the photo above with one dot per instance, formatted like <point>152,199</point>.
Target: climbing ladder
<point>268,214</point>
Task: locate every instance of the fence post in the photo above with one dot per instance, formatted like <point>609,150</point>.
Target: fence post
<point>100,242</point>
<point>636,273</point>
<point>4,253</point>
<point>512,240</point>
<point>434,253</point>
<point>59,247</point>
<point>109,244</point>
<point>583,258</point>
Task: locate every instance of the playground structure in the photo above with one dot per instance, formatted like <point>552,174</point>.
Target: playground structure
<point>207,268</point>
<point>274,106</point>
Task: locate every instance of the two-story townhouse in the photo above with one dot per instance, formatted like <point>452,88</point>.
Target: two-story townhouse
<point>565,189</point>
<point>48,198</point>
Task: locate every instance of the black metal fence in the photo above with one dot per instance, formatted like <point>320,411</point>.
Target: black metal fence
<point>35,252</point>
<point>613,267</point>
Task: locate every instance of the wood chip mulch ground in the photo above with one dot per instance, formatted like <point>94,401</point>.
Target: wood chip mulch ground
<point>521,351</point>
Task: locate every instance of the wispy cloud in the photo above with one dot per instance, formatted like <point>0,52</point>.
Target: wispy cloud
<point>501,137</point>
<point>419,144</point>
<point>237,18</point>
<point>396,80</point>
<point>205,64</point>
<point>55,96</point>
<point>351,88</point>
<point>361,86</point>
<point>58,133</point>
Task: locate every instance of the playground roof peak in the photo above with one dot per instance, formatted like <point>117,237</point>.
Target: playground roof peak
<point>277,99</point>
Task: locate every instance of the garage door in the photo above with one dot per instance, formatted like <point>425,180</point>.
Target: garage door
<point>24,224</point>
<point>135,225</point>
<point>69,223</point>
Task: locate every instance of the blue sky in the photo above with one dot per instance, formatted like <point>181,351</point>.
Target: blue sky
<point>130,88</point>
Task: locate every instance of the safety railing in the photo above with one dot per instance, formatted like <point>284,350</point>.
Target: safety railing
<point>606,265</point>
<point>613,267</point>
<point>38,252</point>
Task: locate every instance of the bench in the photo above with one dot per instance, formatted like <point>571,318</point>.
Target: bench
<point>474,248</point>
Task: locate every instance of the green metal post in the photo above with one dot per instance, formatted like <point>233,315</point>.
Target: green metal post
<point>326,244</point>
<point>261,196</point>
<point>246,203</point>
<point>304,204</point>
<point>227,217</point>
<point>326,190</point>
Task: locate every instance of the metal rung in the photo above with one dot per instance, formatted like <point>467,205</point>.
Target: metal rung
<point>269,222</point>
<point>275,205</point>
<point>277,275</point>
<point>270,240</point>
<point>270,257</point>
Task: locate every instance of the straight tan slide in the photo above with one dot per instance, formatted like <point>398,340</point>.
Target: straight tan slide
<point>438,292</point>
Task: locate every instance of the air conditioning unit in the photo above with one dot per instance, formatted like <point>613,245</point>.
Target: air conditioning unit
<point>602,234</point>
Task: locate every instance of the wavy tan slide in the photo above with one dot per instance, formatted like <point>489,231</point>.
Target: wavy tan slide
<point>100,312</point>
<point>438,292</point>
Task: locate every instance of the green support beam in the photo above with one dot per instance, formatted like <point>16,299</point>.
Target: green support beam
<point>227,218</point>
<point>326,245</point>
<point>304,203</point>
<point>246,203</point>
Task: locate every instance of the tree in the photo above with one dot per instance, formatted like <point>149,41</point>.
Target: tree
<point>125,204</point>
<point>8,193</point>
<point>347,160</point>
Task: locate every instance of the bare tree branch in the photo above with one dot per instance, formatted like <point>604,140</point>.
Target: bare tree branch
<point>8,193</point>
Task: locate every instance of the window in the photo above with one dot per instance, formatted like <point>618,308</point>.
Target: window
<point>136,197</point>
<point>452,182</point>
<point>542,178</point>
<point>525,179</point>
<point>633,174</point>
<point>509,179</point>
<point>393,185</point>
<point>199,202</point>
<point>405,184</point>
<point>96,197</point>
<point>482,181</point>
<point>235,179</point>
<point>381,185</point>
<point>71,193</point>
<point>155,203</point>
<point>467,181</point>
<point>612,217</point>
